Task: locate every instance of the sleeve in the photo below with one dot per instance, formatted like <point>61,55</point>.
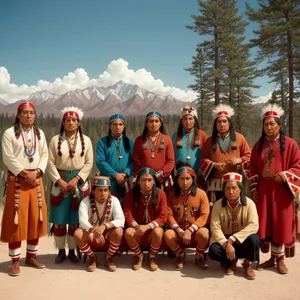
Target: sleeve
<point>206,164</point>
<point>89,159</point>
<point>136,155</point>
<point>215,224</point>
<point>205,208</point>
<point>101,160</point>
<point>170,159</point>
<point>245,149</point>
<point>83,214</point>
<point>129,168</point>
<point>128,205</point>
<point>118,218</point>
<point>174,142</point>
<point>9,158</point>
<point>51,167</point>
<point>252,223</point>
<point>43,153</point>
<point>162,211</point>
<point>170,217</point>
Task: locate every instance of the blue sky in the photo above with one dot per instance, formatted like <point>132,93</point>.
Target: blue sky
<point>43,43</point>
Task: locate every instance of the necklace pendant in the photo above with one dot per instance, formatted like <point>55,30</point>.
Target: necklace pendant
<point>120,156</point>
<point>152,155</point>
<point>30,159</point>
<point>188,157</point>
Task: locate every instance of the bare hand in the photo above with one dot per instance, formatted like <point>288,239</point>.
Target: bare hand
<point>234,161</point>
<point>31,178</point>
<point>72,184</point>
<point>279,177</point>
<point>120,178</point>
<point>230,252</point>
<point>141,229</point>
<point>187,236</point>
<point>62,185</point>
<point>254,195</point>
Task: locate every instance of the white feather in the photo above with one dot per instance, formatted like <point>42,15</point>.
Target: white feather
<point>222,107</point>
<point>74,109</point>
<point>272,107</point>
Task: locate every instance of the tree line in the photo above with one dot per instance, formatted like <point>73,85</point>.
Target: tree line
<point>223,68</point>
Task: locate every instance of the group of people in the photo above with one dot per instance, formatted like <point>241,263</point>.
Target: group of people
<point>154,193</point>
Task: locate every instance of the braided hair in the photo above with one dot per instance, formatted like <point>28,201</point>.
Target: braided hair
<point>263,137</point>
<point>232,135</point>
<point>60,137</point>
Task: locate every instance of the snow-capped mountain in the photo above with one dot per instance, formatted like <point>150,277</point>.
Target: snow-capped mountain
<point>95,101</point>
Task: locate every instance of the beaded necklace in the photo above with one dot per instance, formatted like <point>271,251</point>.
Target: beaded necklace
<point>29,148</point>
<point>72,149</point>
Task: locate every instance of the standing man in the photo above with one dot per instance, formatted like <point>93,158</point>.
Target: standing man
<point>114,156</point>
<point>25,154</point>
<point>188,210</point>
<point>145,214</point>
<point>70,163</point>
<point>274,183</point>
<point>154,149</point>
<point>188,140</point>
<point>224,151</point>
<point>101,224</point>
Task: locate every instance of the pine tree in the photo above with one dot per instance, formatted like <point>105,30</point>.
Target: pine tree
<point>277,36</point>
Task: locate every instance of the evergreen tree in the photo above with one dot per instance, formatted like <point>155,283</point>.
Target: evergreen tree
<point>277,37</point>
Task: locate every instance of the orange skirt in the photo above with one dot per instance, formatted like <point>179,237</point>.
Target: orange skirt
<point>29,226</point>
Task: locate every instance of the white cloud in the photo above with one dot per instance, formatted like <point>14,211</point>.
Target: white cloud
<point>116,70</point>
<point>262,99</point>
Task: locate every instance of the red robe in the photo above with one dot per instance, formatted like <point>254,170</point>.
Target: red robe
<point>276,206</point>
<point>157,213</point>
<point>163,158</point>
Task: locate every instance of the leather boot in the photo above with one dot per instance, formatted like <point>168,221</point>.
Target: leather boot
<point>92,264</point>
<point>249,273</point>
<point>15,268</point>
<point>180,260</point>
<point>152,263</point>
<point>199,261</point>
<point>61,256</point>
<point>33,262</point>
<point>72,256</point>
<point>138,262</point>
<point>281,267</point>
<point>109,264</point>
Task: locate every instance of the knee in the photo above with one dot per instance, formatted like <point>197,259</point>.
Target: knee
<point>118,232</point>
<point>253,240</point>
<point>78,234</point>
<point>169,235</point>
<point>129,233</point>
<point>158,232</point>
<point>202,234</point>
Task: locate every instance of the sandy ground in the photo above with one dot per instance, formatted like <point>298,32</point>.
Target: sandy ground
<point>69,281</point>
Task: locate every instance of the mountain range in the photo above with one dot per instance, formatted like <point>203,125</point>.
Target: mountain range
<point>95,101</point>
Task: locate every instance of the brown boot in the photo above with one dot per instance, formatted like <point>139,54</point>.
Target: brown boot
<point>180,260</point>
<point>199,261</point>
<point>138,262</point>
<point>15,268</point>
<point>229,270</point>
<point>92,264</point>
<point>281,267</point>
<point>109,264</point>
<point>33,262</point>
<point>248,270</point>
<point>267,264</point>
<point>151,262</point>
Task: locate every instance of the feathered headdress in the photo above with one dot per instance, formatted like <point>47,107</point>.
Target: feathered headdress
<point>188,110</point>
<point>72,111</point>
<point>272,110</point>
<point>223,110</point>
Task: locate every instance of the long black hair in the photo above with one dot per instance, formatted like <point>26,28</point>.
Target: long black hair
<point>176,187</point>
<point>17,127</point>
<point>196,135</point>
<point>232,135</point>
<point>263,137</point>
<point>109,139</point>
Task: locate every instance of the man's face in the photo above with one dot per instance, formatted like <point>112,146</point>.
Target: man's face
<point>188,122</point>
<point>185,181</point>
<point>232,191</point>
<point>271,128</point>
<point>71,124</point>
<point>153,124</point>
<point>146,182</point>
<point>101,193</point>
<point>222,125</point>
<point>117,127</point>
<point>27,117</point>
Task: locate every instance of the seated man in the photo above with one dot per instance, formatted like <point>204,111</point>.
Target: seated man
<point>234,226</point>
<point>188,210</point>
<point>101,224</point>
<point>145,210</point>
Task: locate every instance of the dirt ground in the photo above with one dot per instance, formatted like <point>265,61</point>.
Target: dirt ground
<point>69,281</point>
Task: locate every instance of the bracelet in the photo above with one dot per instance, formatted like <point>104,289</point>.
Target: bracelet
<point>106,225</point>
<point>78,177</point>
